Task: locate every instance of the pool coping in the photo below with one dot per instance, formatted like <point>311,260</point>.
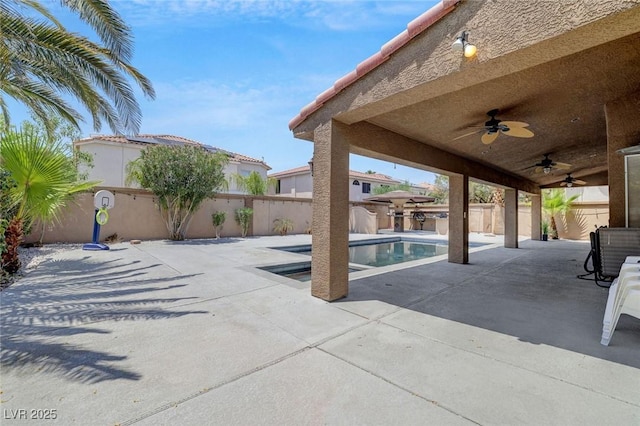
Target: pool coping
<point>364,271</point>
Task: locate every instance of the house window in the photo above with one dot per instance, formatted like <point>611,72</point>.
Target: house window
<point>356,183</point>
<point>366,188</point>
<point>278,186</point>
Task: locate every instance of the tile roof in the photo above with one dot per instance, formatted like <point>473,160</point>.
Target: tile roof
<point>414,28</point>
<point>146,139</point>
<point>352,174</point>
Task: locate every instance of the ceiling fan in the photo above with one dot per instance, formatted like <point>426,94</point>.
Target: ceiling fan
<point>569,181</point>
<point>547,164</point>
<point>494,127</point>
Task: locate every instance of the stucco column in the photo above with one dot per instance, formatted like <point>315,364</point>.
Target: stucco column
<point>459,219</point>
<point>511,218</point>
<point>536,216</point>
<point>330,219</point>
<point>623,130</point>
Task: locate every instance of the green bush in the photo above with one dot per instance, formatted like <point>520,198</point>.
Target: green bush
<point>218,219</point>
<point>243,218</point>
<point>283,226</point>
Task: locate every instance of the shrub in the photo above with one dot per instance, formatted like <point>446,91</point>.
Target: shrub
<point>218,219</point>
<point>283,226</point>
<point>243,218</point>
<point>182,177</point>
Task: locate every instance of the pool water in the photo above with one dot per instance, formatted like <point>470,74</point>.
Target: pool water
<point>384,254</point>
<point>389,253</point>
<point>368,253</point>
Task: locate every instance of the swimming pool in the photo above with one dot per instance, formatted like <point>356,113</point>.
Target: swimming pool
<point>300,271</point>
<point>384,251</point>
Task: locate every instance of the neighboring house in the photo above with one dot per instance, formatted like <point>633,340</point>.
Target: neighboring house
<point>423,188</point>
<point>298,182</point>
<point>111,154</point>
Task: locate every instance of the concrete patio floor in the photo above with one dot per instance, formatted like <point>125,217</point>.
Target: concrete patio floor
<point>192,333</point>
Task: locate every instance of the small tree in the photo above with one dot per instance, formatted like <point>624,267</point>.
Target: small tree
<point>182,177</point>
<point>440,189</point>
<point>283,226</point>
<point>383,189</point>
<point>243,218</point>
<point>254,183</point>
<point>218,219</point>
<point>554,202</point>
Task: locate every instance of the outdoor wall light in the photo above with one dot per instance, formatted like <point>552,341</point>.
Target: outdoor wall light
<point>311,166</point>
<point>462,45</point>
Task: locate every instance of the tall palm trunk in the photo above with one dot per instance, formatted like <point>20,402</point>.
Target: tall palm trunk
<point>554,228</point>
<point>13,236</point>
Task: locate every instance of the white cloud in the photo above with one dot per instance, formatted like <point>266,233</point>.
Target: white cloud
<point>340,15</point>
<point>209,104</point>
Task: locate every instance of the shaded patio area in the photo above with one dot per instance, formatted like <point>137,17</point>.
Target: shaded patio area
<point>532,294</point>
<point>193,333</point>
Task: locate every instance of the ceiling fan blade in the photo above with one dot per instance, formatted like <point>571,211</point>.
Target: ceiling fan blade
<point>488,138</point>
<point>579,182</point>
<point>563,166</point>
<point>538,169</point>
<point>467,134</point>
<point>511,124</point>
<point>519,132</point>
<point>563,183</point>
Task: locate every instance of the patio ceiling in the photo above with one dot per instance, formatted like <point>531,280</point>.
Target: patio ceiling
<point>563,101</point>
<point>559,83</point>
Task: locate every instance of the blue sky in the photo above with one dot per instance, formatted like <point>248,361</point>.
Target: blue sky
<point>232,74</point>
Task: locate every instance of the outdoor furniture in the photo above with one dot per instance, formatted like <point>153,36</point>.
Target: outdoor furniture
<point>609,249</point>
<point>624,297</point>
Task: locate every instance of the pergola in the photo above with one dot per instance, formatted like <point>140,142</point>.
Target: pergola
<point>570,69</point>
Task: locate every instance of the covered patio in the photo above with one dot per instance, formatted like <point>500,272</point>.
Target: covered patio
<point>192,333</point>
<point>569,70</point>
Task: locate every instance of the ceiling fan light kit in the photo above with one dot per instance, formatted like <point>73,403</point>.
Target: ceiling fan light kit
<point>547,165</point>
<point>569,181</point>
<point>493,127</point>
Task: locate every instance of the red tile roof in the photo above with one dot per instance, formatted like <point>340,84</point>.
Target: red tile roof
<point>415,27</point>
<point>352,174</point>
<point>146,139</point>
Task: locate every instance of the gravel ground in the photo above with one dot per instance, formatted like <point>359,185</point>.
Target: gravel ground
<point>31,257</point>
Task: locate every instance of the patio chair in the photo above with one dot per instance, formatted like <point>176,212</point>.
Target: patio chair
<point>624,298</point>
<point>610,248</point>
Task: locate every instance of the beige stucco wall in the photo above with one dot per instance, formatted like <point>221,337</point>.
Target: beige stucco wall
<point>136,216</point>
<point>489,219</point>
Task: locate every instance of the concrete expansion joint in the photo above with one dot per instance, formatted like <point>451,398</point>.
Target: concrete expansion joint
<point>516,366</point>
<point>394,384</point>
<point>206,390</point>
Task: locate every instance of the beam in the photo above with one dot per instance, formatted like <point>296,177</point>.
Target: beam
<point>373,141</point>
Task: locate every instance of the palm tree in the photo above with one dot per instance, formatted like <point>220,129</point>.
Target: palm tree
<point>553,203</point>
<point>43,180</point>
<point>42,61</point>
<point>253,183</point>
